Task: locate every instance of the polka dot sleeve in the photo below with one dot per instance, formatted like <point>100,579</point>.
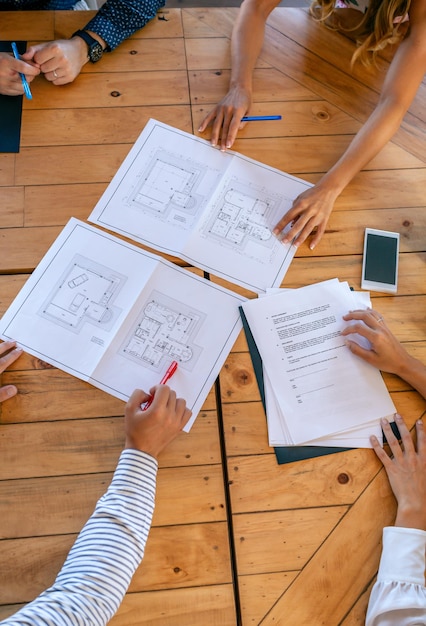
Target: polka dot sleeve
<point>117,20</point>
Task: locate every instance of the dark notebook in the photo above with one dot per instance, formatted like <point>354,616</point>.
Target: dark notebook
<point>10,110</point>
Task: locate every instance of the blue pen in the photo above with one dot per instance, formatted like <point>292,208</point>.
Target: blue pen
<point>255,118</point>
<point>24,80</point>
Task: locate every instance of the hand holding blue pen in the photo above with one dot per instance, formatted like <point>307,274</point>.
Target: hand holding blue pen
<point>23,79</point>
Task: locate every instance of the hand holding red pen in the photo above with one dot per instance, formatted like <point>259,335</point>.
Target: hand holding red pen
<point>167,376</point>
<point>153,429</point>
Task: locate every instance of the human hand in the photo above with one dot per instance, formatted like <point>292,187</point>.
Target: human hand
<point>60,61</point>
<point>10,80</point>
<point>386,353</point>
<point>406,471</point>
<point>226,116</point>
<point>310,211</point>
<point>8,355</point>
<point>152,430</point>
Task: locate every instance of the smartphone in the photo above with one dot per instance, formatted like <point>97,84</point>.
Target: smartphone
<point>380,260</point>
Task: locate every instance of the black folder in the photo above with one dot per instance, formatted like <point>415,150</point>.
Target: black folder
<point>11,110</point>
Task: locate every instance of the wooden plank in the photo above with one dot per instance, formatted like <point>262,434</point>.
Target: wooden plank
<point>7,169</point>
<point>269,85</point>
<point>336,571</point>
<point>195,27</point>
<point>217,55</point>
<point>260,591</point>
<point>166,24</point>
<point>209,606</point>
<point>175,557</point>
<point>98,126</point>
<point>184,556</point>
<point>112,89</point>
<point>68,397</point>
<point>299,118</point>
<point>12,210</point>
<point>345,230</point>
<point>318,154</point>
<point>62,504</point>
<point>64,448</point>
<point>138,55</point>
<point>257,481</point>
<point>17,26</point>
<point>53,205</point>
<point>304,271</point>
<point>272,541</point>
<point>23,248</point>
<point>68,164</point>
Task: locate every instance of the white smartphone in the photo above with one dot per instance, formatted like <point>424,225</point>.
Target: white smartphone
<point>380,260</point>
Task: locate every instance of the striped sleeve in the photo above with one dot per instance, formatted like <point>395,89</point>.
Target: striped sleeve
<point>98,570</point>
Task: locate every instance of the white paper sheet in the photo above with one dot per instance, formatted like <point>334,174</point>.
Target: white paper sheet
<point>320,387</point>
<point>116,316</point>
<point>216,210</point>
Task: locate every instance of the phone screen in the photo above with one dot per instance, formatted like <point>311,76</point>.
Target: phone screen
<point>381,259</point>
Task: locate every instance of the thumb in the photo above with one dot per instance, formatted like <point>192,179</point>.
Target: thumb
<point>29,55</point>
<point>137,398</point>
<point>8,391</point>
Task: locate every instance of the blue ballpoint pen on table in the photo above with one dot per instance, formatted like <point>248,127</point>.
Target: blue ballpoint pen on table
<point>24,80</point>
<point>258,118</point>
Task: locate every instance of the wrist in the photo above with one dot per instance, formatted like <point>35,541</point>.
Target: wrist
<point>409,368</point>
<point>411,517</point>
<point>131,444</point>
<point>98,39</point>
<point>90,45</point>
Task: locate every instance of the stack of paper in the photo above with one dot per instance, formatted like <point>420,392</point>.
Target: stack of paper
<point>317,392</point>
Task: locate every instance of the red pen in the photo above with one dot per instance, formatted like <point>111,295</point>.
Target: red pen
<point>167,376</point>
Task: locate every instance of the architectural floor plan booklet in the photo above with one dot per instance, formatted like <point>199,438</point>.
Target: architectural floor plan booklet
<point>176,193</point>
<point>116,316</point>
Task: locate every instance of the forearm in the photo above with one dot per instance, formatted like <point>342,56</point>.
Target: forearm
<point>402,80</point>
<point>413,372</point>
<point>117,20</point>
<point>367,143</point>
<point>107,552</point>
<point>247,40</point>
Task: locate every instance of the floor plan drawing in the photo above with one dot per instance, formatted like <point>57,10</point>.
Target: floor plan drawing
<point>240,219</point>
<point>165,331</point>
<point>84,294</point>
<point>167,188</point>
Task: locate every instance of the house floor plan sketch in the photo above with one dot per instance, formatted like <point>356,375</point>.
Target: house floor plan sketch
<point>117,316</point>
<point>216,210</point>
<point>166,331</point>
<point>167,189</point>
<point>85,293</point>
<point>239,219</point>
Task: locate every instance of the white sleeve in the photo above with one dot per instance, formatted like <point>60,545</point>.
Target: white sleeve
<point>398,597</point>
<point>91,584</point>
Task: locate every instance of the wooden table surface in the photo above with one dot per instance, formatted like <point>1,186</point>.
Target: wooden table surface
<point>236,539</point>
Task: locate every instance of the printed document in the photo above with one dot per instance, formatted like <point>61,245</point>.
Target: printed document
<point>177,194</point>
<point>321,392</point>
<point>116,316</point>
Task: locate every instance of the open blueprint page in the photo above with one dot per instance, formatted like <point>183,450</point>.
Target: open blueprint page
<point>216,210</point>
<point>117,316</point>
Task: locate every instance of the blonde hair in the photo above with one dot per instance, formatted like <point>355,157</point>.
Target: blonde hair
<point>379,26</point>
